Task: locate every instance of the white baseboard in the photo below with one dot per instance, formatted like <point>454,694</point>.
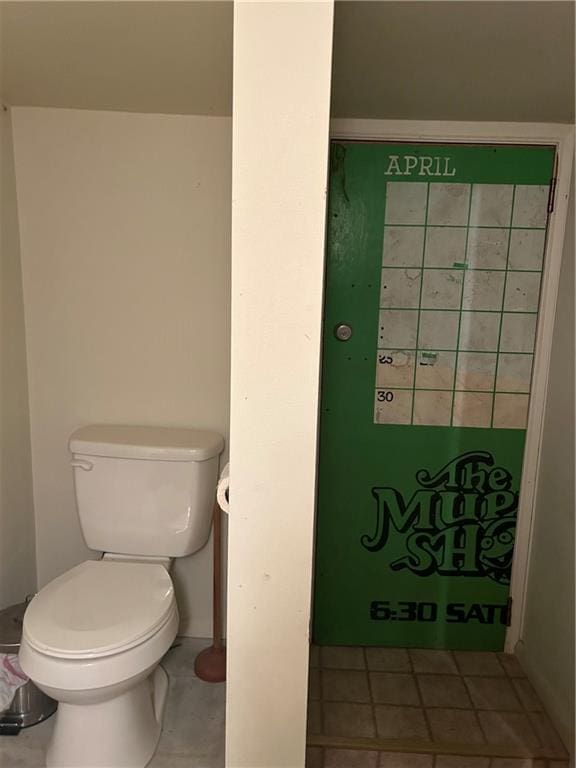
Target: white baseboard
<point>559,711</point>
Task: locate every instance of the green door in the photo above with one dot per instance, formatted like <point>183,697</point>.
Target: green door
<point>434,265</point>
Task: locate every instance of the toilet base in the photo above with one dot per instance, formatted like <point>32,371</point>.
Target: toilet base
<point>121,732</point>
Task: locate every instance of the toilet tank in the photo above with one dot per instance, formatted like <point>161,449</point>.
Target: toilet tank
<point>145,490</point>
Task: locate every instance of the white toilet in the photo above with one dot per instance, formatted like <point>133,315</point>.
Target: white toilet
<point>93,638</point>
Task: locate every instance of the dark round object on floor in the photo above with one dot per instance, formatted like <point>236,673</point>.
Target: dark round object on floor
<point>210,665</point>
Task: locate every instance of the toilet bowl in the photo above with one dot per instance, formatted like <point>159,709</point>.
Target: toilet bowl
<point>93,640</point>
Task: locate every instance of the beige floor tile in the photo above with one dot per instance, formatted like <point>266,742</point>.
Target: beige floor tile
<point>461,761</point>
<point>388,659</point>
<point>345,685</point>
<point>527,695</point>
<point>314,727</point>
<point>400,722</point>
<point>434,662</point>
<point>508,728</point>
<point>454,725</point>
<point>546,733</point>
<point>493,693</point>
<point>351,720</point>
<point>394,688</point>
<point>405,760</point>
<point>314,684</point>
<point>341,657</point>
<point>444,691</point>
<point>314,656</point>
<point>478,663</point>
<point>511,665</point>
<point>350,758</point>
<point>314,757</point>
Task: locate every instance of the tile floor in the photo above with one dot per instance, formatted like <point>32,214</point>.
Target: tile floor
<point>425,701</point>
<point>410,694</point>
<point>193,733</point>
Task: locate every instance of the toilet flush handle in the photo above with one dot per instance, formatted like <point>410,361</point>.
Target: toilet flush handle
<point>82,464</point>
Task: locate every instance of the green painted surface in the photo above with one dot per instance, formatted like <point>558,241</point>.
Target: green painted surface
<point>415,523</point>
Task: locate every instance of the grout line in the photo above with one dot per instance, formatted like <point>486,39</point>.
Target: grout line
<point>370,691</point>
<point>427,672</point>
<point>478,721</point>
<point>455,660</point>
<point>467,687</point>
<point>520,699</point>
<point>440,706</point>
<point>455,749</point>
<point>321,693</point>
<point>479,724</point>
<point>420,698</point>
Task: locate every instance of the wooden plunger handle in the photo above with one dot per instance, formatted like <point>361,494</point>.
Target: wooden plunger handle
<point>217,578</point>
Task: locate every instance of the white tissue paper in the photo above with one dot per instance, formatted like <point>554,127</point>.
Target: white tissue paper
<point>223,488</point>
<point>11,678</point>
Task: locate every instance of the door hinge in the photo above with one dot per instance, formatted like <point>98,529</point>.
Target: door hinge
<point>552,195</point>
<point>509,612</point>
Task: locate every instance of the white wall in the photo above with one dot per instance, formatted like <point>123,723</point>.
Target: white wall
<point>125,236</point>
<point>17,555</point>
<point>547,640</point>
<point>282,56</point>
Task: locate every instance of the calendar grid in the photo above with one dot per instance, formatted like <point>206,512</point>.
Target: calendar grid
<point>458,310</point>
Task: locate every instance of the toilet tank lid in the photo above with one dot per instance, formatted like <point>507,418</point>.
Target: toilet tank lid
<point>153,443</point>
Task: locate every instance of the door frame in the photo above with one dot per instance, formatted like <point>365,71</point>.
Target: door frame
<point>562,138</point>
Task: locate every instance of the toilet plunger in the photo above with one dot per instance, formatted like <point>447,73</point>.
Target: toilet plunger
<point>210,664</point>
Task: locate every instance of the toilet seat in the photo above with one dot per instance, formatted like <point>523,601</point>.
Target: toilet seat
<point>99,608</point>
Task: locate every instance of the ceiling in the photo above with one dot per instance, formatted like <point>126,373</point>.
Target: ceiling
<point>452,60</point>
<point>167,57</point>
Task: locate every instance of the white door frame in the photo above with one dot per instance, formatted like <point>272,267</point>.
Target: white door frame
<point>562,138</point>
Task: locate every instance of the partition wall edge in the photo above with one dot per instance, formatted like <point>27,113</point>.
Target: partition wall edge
<point>282,71</point>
